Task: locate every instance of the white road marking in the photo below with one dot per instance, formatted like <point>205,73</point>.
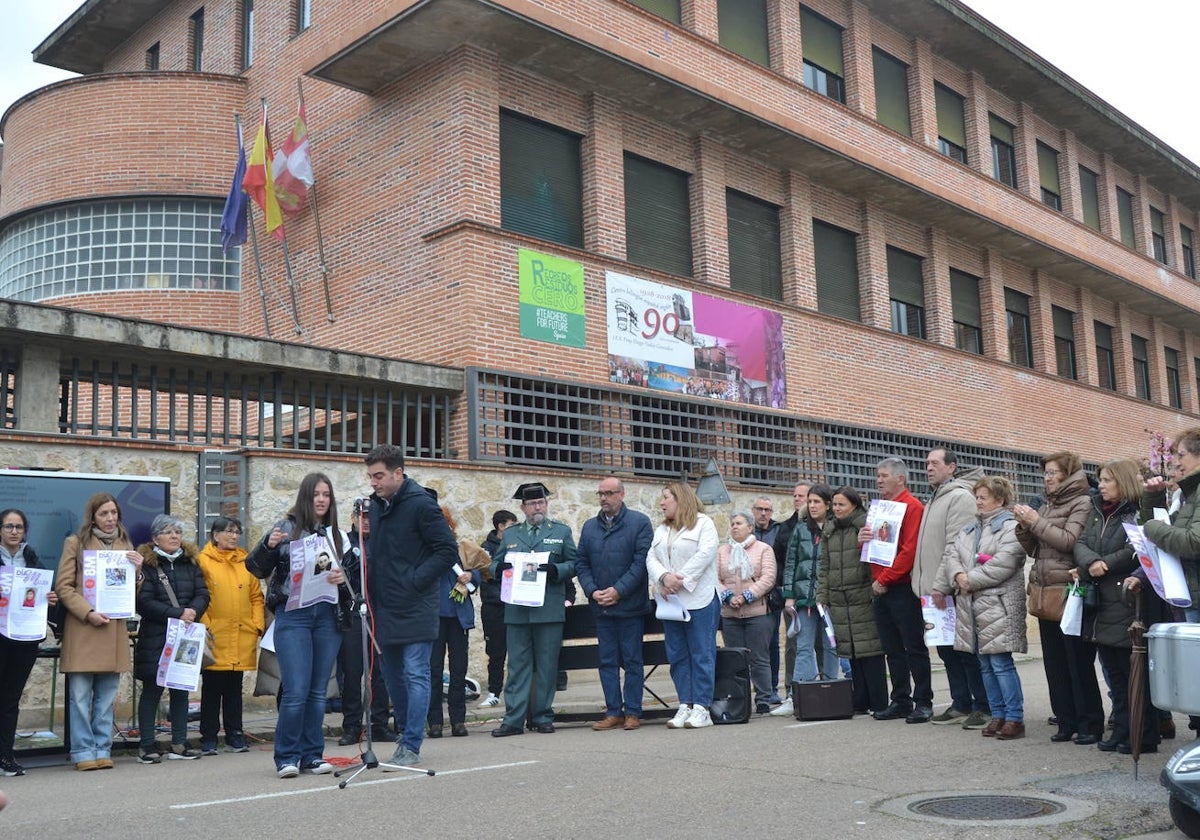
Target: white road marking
<point>386,780</point>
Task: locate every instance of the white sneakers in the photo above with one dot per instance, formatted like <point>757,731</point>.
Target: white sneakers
<point>681,718</point>
<point>698,719</point>
<point>784,709</point>
<point>288,771</point>
<point>490,700</point>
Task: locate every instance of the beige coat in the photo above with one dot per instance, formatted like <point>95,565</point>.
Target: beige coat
<point>88,649</point>
<point>948,511</point>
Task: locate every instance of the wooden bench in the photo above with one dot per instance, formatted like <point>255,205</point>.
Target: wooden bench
<point>580,652</point>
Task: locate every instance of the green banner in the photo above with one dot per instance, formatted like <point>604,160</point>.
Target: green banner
<point>551,295</point>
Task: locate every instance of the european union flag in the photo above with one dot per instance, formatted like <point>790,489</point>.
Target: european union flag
<point>233,219</point>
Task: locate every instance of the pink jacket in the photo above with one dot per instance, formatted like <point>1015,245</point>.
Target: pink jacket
<point>762,558</point>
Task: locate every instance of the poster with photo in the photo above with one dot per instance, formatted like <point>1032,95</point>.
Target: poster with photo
<point>312,559</point>
<point>884,519</point>
<point>182,655</point>
<point>109,583</point>
<point>23,603</point>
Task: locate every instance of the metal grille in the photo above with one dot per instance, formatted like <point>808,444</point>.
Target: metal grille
<point>222,491</point>
<point>9,364</point>
<point>986,807</point>
<point>515,419</point>
<point>115,399</point>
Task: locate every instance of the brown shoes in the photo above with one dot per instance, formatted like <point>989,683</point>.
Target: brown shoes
<point>1011,731</point>
<point>994,726</point>
<point>104,764</point>
<point>632,723</point>
<point>610,722</point>
<point>89,764</point>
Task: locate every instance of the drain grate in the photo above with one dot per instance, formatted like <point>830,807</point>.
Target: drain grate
<point>986,807</point>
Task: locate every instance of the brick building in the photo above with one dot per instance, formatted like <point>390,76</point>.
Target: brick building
<point>943,237</point>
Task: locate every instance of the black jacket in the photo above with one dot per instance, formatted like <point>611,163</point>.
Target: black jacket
<point>154,605</point>
<point>411,548</point>
<point>489,587</point>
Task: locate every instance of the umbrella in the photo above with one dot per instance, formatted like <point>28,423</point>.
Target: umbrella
<point>1138,677</point>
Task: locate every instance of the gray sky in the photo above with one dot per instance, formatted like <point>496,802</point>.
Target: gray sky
<point>1142,63</point>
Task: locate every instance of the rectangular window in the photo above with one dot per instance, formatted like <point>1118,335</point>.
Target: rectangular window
<point>1174,391</point>
<point>152,56</point>
<point>1004,155</point>
<point>1064,341</point>
<point>247,33</point>
<point>1125,216</point>
<point>821,43</point>
<point>196,46</point>
<point>1106,369</point>
<point>541,187</point>
<point>668,9</point>
<point>836,253</point>
<point>755,264</point>
<point>1048,176</point>
<point>906,288</point>
<point>1188,246</point>
<point>1141,366</point>
<point>1020,338</point>
<point>964,300</point>
<point>891,92</point>
<point>742,27</point>
<point>303,15</point>
<point>952,124</point>
<point>658,219</point>
<point>1089,197</point>
<point>1158,235</point>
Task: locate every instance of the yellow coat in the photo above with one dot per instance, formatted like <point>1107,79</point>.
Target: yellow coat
<point>235,611</point>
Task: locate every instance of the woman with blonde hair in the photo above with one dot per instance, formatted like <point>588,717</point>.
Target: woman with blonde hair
<point>683,562</point>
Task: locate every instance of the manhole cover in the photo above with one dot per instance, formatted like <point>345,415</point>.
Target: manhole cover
<point>986,807</point>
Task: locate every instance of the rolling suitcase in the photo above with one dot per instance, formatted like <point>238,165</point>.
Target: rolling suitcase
<point>823,700</point>
<point>731,691</point>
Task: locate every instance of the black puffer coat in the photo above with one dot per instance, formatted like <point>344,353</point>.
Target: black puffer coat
<point>154,606</point>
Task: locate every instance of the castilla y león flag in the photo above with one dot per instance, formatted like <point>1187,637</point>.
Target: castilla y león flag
<point>292,167</point>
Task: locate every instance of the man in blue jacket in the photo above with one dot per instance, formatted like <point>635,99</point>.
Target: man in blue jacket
<point>611,564</point>
<point>534,633</point>
<point>411,548</point>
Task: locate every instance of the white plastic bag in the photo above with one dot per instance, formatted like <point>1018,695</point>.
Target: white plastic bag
<point>1072,618</point>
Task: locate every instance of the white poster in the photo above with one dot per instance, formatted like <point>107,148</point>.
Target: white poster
<point>1163,570</point>
<point>939,624</point>
<point>884,519</point>
<point>523,584</point>
<point>109,583</point>
<point>312,559</point>
<point>23,603</point>
<point>182,656</point>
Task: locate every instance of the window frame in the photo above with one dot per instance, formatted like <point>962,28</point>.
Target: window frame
<point>1018,327</point>
<point>956,101</point>
<point>832,300</point>
<point>750,37</point>
<point>1140,350</point>
<point>196,41</point>
<point>905,284</point>
<point>762,242</point>
<point>656,190</point>
<point>1003,151</point>
<point>1051,193</point>
<point>1158,235</point>
<point>1125,230</point>
<point>889,63</point>
<point>819,78</point>
<point>247,32</point>
<point>540,221</point>
<point>1187,245</point>
<point>1106,365</point>
<point>966,331</point>
<point>1064,342</point>
<point>1089,197</point>
<point>1174,386</point>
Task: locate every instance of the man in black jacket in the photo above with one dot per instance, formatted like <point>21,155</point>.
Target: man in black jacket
<point>491,610</point>
<point>412,547</point>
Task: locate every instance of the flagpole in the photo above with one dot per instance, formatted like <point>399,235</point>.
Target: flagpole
<point>287,265</point>
<point>262,292</point>
<point>312,201</point>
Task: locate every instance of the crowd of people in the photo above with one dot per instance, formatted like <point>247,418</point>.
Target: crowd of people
<point>401,577</point>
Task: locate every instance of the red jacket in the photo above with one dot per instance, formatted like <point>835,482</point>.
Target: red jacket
<point>900,572</point>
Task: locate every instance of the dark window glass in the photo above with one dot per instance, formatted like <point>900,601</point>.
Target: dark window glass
<point>1188,247</point>
<point>1064,341</point>
<point>952,124</point>
<point>658,222</point>
<point>836,252</point>
<point>1004,156</point>
<point>754,245</point>
<point>1141,366</point>
<point>968,326</point>
<point>152,57</point>
<point>1174,391</point>
<point>197,45</point>
<point>303,15</point>
<point>1048,176</point>
<point>1125,216</point>
<point>247,33</point>
<point>821,44</point>
<point>1106,369</point>
<point>742,27</point>
<point>540,182</point>
<point>891,92</point>
<point>906,288</point>
<point>668,9</point>
<point>1089,197</point>
<point>1158,235</point>
<point>1020,337</point>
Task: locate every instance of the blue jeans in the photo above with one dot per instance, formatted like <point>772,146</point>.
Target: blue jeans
<point>1003,686</point>
<point>306,644</point>
<point>692,652</point>
<point>91,696</point>
<point>967,692</point>
<point>405,669</point>
<point>619,645</point>
<point>812,631</point>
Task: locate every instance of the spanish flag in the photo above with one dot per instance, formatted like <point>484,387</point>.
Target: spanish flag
<point>258,182</point>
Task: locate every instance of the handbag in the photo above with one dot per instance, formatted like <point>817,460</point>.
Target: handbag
<point>208,659</point>
<point>774,599</point>
<point>1091,595</point>
<point>1047,601</point>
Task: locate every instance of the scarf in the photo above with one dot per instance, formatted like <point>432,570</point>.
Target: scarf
<point>1109,508</point>
<point>739,561</point>
<point>107,539</point>
<point>172,556</point>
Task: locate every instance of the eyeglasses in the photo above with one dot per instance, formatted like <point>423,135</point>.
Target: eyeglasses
<point>231,531</point>
<point>764,509</point>
<point>14,527</point>
<point>604,494</point>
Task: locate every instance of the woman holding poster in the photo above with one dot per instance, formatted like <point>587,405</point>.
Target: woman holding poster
<point>16,657</point>
<point>307,638</point>
<point>173,587</point>
<point>95,647</point>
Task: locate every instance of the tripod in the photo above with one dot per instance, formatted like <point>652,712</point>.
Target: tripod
<point>367,639</point>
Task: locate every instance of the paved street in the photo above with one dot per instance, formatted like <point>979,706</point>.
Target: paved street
<point>771,778</point>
